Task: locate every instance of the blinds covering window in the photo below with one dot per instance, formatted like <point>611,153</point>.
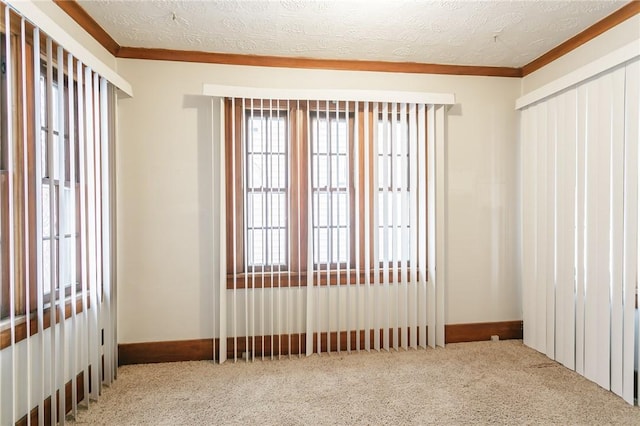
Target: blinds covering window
<point>58,299</point>
<point>329,233</point>
<point>580,221</point>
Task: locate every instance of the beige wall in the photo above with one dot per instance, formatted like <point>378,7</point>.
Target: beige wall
<point>166,185</point>
<point>167,245</point>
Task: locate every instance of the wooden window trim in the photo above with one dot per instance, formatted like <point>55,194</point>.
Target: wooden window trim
<point>286,279</point>
<point>21,323</point>
<point>295,274</point>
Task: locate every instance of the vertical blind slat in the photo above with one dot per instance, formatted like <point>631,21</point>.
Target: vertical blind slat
<point>11,213</point>
<point>368,242</point>
<point>73,230</point>
<point>52,246</point>
<point>222,306</point>
<point>550,225</point>
<point>423,199</point>
<point>414,268</point>
<point>375,234</point>
<point>234,252</point>
<point>631,220</point>
<point>617,228</point>
<point>431,201</point>
<point>26,206</point>
<point>62,240</point>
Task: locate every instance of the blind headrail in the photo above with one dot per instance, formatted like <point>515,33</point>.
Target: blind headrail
<point>224,91</point>
<point>36,16</point>
<point>619,56</point>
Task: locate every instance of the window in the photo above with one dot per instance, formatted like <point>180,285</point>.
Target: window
<point>331,177</point>
<point>266,189</point>
<point>57,134</point>
<point>301,170</point>
<point>57,185</point>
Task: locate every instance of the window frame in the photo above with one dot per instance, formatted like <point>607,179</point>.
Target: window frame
<point>300,114</point>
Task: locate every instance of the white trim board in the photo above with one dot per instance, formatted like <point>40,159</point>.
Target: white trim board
<point>613,59</point>
<point>329,95</point>
<point>35,15</point>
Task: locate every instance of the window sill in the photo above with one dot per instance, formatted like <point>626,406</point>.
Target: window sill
<point>21,323</point>
<point>286,279</point>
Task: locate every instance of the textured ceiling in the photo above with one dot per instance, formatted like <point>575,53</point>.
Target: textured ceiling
<point>442,32</point>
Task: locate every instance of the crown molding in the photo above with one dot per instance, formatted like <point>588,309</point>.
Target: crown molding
<point>327,64</point>
<point>625,12</point>
<point>78,14</point>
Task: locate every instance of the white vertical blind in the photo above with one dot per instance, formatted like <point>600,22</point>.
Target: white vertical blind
<point>580,226</point>
<point>351,241</point>
<point>59,165</point>
<point>631,216</point>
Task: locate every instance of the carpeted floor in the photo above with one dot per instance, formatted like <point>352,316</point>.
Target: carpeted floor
<point>485,382</point>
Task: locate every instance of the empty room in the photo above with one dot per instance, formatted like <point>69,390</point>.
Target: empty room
<point>319,212</point>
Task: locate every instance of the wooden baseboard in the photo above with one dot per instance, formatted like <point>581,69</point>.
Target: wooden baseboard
<point>456,333</point>
<point>150,352</point>
<point>80,394</point>
<point>202,349</point>
<point>297,343</point>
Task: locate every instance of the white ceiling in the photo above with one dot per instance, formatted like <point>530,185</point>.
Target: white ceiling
<point>444,32</point>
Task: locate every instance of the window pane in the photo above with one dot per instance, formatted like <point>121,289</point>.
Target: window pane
<point>43,101</point>
<point>340,245</point>
<point>266,176</point>
<point>70,220</point>
<point>55,109</point>
<point>255,216</point>
<point>340,209</point>
<point>56,157</point>
<point>277,171</point>
<point>255,171</point>
<point>339,171</point>
<point>43,156</point>
<point>256,247</point>
<point>384,171</point>
<point>278,136</point>
<point>330,178</point>
<point>320,171</point>
<point>46,218</point>
<point>46,266</point>
<point>339,136</point>
<point>69,276</point>
<point>277,246</point>
<point>320,245</point>
<point>319,136</point>
<point>256,135</point>
<point>321,209</point>
<point>277,210</point>
<point>397,229</point>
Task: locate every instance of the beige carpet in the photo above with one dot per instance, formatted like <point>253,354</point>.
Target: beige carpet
<point>485,382</point>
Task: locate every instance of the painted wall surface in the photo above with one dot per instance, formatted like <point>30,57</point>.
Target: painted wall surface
<point>167,170</point>
<point>606,42</point>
